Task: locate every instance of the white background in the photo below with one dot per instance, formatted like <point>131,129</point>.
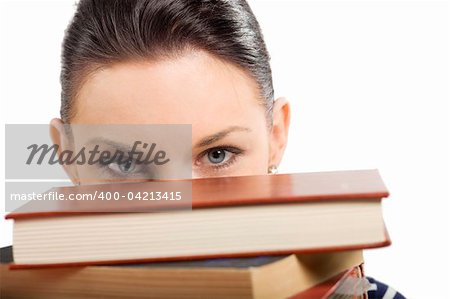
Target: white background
<point>369,87</point>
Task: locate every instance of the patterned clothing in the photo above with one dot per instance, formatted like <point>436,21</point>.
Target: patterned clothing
<point>379,290</point>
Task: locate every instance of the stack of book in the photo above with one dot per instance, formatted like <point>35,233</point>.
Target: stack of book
<point>271,236</point>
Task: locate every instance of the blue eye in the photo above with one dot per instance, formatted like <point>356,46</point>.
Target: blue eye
<point>125,167</point>
<point>216,156</point>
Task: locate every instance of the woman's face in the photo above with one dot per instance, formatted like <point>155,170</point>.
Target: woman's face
<point>230,133</point>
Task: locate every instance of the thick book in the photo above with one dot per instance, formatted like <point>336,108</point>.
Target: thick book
<point>230,217</point>
<point>308,276</point>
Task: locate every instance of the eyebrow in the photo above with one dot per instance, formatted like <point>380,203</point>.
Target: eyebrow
<point>117,145</point>
<point>208,140</point>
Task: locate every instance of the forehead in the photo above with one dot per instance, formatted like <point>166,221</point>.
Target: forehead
<point>195,88</point>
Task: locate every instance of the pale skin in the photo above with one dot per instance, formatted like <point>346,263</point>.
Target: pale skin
<point>220,100</point>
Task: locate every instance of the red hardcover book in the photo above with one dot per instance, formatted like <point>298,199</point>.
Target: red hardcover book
<point>348,284</point>
<point>230,217</point>
<point>310,276</point>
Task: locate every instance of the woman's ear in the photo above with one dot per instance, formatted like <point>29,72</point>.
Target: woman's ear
<point>279,131</point>
<point>58,134</point>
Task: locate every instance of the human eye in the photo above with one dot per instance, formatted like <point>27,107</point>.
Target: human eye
<point>126,167</point>
<point>218,158</point>
<point>123,167</point>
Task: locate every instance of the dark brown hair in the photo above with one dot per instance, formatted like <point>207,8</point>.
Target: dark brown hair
<point>103,32</point>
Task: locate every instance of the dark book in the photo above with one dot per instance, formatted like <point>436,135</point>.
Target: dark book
<point>308,276</point>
